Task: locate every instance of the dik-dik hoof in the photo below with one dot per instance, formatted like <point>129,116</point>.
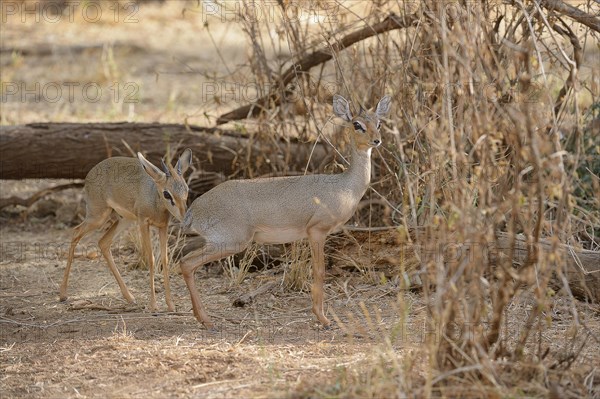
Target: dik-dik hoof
<point>206,323</point>
<point>327,325</point>
<point>210,327</point>
<point>213,329</point>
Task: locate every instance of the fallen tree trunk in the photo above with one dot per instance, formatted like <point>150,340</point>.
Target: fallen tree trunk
<point>70,150</point>
<point>582,267</point>
<point>582,17</point>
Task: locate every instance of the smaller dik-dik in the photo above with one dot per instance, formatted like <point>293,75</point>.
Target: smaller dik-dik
<point>284,209</point>
<point>138,191</point>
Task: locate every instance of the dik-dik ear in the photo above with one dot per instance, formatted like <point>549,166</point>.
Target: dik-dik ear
<point>383,107</point>
<point>341,108</point>
<point>185,160</point>
<point>156,174</point>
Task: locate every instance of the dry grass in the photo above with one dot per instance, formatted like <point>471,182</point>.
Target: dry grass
<point>297,270</point>
<point>237,271</point>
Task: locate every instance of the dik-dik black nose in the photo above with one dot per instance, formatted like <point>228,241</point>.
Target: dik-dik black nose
<point>376,142</point>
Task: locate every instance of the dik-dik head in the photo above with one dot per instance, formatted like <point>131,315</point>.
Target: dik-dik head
<point>171,186</point>
<point>366,124</point>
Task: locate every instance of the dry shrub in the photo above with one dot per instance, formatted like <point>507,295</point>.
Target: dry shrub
<point>494,130</point>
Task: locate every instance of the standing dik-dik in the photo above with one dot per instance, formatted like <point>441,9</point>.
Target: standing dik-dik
<point>284,209</point>
<point>138,191</point>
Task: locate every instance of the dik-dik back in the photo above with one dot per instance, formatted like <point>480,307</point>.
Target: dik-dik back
<point>272,217</point>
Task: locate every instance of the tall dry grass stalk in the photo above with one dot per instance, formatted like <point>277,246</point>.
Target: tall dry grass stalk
<point>297,270</point>
<point>490,133</point>
<point>236,272</point>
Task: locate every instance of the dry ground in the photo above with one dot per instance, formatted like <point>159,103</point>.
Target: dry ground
<point>97,345</point>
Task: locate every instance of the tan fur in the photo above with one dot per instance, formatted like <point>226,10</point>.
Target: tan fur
<point>285,209</point>
<point>133,189</point>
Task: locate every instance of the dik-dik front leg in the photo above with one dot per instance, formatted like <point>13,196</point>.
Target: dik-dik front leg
<point>148,257</point>
<point>164,259</point>
<point>317,246</point>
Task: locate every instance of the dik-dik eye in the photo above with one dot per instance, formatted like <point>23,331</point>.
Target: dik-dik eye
<point>358,126</point>
<point>378,125</point>
<point>168,197</point>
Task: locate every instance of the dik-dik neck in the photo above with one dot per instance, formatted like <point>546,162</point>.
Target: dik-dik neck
<point>359,172</point>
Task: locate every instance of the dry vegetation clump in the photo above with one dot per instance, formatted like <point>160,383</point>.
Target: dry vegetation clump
<point>495,133</point>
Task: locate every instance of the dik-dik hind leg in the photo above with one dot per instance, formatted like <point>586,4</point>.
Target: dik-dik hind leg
<point>149,259</point>
<point>317,246</point>
<point>104,244</point>
<point>194,260</point>
<point>89,224</point>
<point>164,259</point>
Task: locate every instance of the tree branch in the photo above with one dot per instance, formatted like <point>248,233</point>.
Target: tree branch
<point>324,54</point>
<point>577,55</point>
<point>572,12</point>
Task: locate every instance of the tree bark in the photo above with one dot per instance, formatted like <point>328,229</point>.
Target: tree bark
<point>581,267</point>
<point>70,150</point>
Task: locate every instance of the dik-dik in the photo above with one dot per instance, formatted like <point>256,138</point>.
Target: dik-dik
<point>137,191</point>
<point>286,209</point>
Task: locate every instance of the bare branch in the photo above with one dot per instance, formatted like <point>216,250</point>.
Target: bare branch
<point>324,54</point>
<point>572,12</point>
<point>577,55</point>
